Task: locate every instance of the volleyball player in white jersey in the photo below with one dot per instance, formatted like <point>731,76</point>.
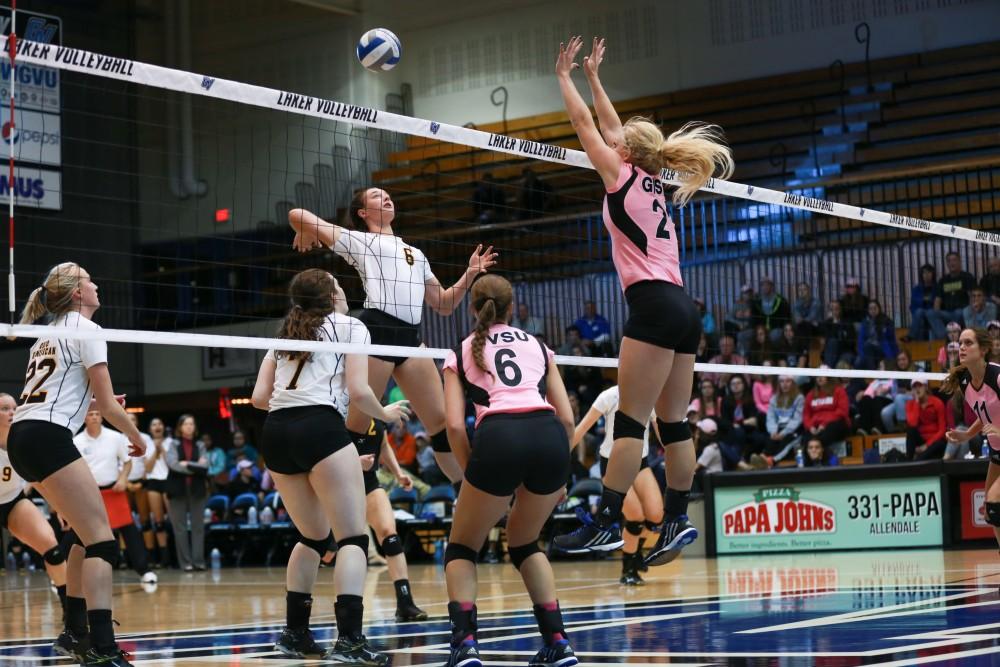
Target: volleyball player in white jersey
<point>314,463</point>
<point>155,484</point>
<point>21,517</point>
<point>643,506</point>
<point>62,377</point>
<point>398,281</point>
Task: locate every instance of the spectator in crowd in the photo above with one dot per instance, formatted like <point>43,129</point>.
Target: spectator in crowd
<point>727,355</point>
<point>922,298</point>
<point>952,332</point>
<point>488,200</point>
<point>404,446</point>
<point>571,339</point>
<point>707,403</point>
<point>709,455</point>
<point>901,393</point>
<point>853,302</point>
<point>784,419</point>
<point>806,312</point>
<point>876,337</point>
<point>925,425</point>
<point>990,283</point>
<point>763,387</point>
<point>760,347</point>
<point>951,357</point>
<point>218,471</point>
<point>426,463</point>
<point>876,396</point>
<point>793,349</point>
<point>827,412</point>
<point>586,381</point>
<point>157,473</point>
<point>839,338</point>
<point>770,309</point>
<point>594,330</point>
<point>953,295</point>
<point>526,322</point>
<point>187,493</point>
<point>244,481</point>
<point>701,354</point>
<point>241,448</point>
<point>980,312</point>
<point>536,196</point>
<point>743,424</point>
<point>707,319</point>
<point>738,322</point>
<point>817,455</point>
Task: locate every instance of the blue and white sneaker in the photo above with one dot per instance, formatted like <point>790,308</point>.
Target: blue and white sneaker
<point>589,537</point>
<point>465,654</point>
<point>556,654</point>
<point>674,536</point>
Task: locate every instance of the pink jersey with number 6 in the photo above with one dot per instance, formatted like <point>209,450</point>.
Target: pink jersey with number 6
<point>643,238</point>
<point>985,401</point>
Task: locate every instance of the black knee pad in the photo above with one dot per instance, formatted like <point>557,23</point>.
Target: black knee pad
<point>626,427</point>
<point>319,546</point>
<point>439,442</point>
<point>392,546</point>
<point>520,554</point>
<point>651,526</point>
<point>993,514</point>
<point>54,556</point>
<point>633,527</point>
<point>147,527</point>
<point>455,551</point>
<point>673,431</point>
<point>360,541</point>
<point>160,527</point>
<point>106,551</point>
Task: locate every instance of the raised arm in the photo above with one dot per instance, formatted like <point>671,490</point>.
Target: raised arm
<point>610,123</point>
<point>454,417</point>
<point>445,301</point>
<point>585,425</point>
<point>311,231</point>
<point>362,396</point>
<point>605,160</point>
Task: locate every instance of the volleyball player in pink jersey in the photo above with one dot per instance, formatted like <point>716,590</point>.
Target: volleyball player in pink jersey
<point>656,361</point>
<point>520,449</point>
<point>976,381</point>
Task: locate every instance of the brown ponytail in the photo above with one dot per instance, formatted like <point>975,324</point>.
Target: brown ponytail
<point>952,383</point>
<point>55,295</point>
<point>311,293</point>
<point>352,220</point>
<point>492,296</point>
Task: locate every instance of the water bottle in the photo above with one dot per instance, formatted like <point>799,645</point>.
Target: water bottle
<point>29,565</point>
<point>800,460</point>
<point>216,558</point>
<point>208,515</point>
<point>985,453</point>
<point>252,516</point>
<point>267,516</point>
<point>439,552</point>
<point>11,562</point>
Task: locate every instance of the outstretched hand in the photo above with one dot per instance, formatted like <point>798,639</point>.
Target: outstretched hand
<point>593,61</point>
<point>481,260</point>
<point>305,241</point>
<point>567,55</point>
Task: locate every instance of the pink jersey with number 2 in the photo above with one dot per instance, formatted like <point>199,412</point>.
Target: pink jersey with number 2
<point>985,401</point>
<point>643,238</point>
<point>518,364</point>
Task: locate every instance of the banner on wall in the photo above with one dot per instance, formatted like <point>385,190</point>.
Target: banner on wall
<point>34,137</point>
<point>973,504</point>
<point>37,188</point>
<point>828,515</point>
<point>37,86</point>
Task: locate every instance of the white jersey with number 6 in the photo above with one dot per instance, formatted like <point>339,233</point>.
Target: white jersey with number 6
<point>320,379</point>
<point>11,483</point>
<point>56,386</point>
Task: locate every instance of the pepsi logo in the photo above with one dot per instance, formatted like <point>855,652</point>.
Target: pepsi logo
<point>10,133</point>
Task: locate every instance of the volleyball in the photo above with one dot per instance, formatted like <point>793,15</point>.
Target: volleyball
<point>379,49</point>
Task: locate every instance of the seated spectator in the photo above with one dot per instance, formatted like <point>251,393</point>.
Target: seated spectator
<point>595,331</point>
<point>742,424</point>
<point>218,472</point>
<point>816,454</point>
<point>925,425</point>
<point>770,309</point>
<point>489,200</point>
<point>245,481</point>
<point>727,356</point>
<point>701,354</point>
<point>990,283</point>
<point>784,419</point>
<point>951,357</point>
<point>839,340</point>
<point>853,302</point>
<point>953,295</point>
<point>876,396</point>
<point>525,322</point>
<point>427,466</point>
<point>404,446</point>
<point>707,403</point>
<point>241,448</point>
<point>806,312</point>
<point>571,339</point>
<point>793,349</point>
<point>760,347</point>
<point>709,455</point>
<point>895,414</point>
<point>707,319</point>
<point>953,331</point>
<point>876,338</point>
<point>738,322</point>
<point>922,298</point>
<point>827,412</point>
<point>763,387</point>
<point>536,195</point>
<point>980,312</point>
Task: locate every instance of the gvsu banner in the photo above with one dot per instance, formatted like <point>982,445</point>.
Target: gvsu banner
<point>828,515</point>
<point>37,87</point>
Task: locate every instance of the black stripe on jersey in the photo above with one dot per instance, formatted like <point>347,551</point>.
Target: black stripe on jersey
<point>68,360</point>
<point>476,394</point>
<point>620,217</point>
<point>340,357</point>
<point>543,381</point>
<point>84,400</point>
<point>381,274</point>
<point>992,378</point>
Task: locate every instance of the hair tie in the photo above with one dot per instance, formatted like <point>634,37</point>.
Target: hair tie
<point>43,296</point>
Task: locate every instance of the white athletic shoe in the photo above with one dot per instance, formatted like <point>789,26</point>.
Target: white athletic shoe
<point>150,578</point>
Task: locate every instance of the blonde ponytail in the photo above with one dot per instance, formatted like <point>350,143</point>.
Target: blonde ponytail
<point>55,295</point>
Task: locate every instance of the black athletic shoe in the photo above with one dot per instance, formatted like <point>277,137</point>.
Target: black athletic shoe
<point>556,654</point>
<point>69,646</point>
<point>631,578</point>
<point>298,644</point>
<point>674,536</point>
<point>589,537</point>
<point>465,654</point>
<point>408,611</point>
<point>114,657</point>
<point>355,651</point>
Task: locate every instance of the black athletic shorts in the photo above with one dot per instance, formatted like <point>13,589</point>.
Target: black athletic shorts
<point>296,439</point>
<point>158,485</point>
<point>39,448</point>
<point>371,443</point>
<point>388,330</point>
<point>994,456</point>
<point>7,508</point>
<point>604,464</point>
<point>662,314</point>
<point>512,449</point>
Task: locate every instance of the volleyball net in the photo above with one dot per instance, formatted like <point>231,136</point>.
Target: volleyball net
<point>173,190</point>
